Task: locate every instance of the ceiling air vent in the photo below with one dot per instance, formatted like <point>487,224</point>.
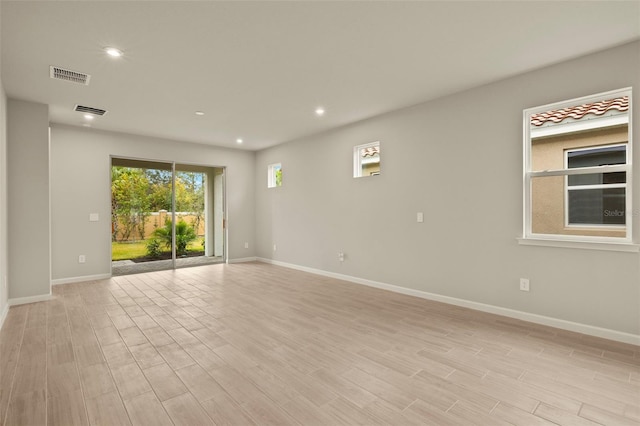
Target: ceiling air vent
<point>90,110</point>
<point>68,75</point>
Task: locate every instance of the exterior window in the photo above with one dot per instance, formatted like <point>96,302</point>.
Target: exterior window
<point>366,160</point>
<point>577,178</point>
<point>274,175</point>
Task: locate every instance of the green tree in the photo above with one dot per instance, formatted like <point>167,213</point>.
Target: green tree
<point>130,204</point>
<point>190,195</point>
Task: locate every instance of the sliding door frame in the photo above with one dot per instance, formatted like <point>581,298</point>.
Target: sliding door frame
<point>172,164</point>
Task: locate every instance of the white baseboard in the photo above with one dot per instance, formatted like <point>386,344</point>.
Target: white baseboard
<point>29,299</point>
<point>3,314</point>
<point>590,330</point>
<point>242,260</point>
<point>85,278</point>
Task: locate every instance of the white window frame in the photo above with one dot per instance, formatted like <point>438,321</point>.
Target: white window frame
<point>600,226</point>
<point>357,158</point>
<point>577,241</point>
<point>271,175</point>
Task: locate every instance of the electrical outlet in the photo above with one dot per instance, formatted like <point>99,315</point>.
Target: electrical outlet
<point>341,256</point>
<point>246,245</point>
<point>420,217</point>
<point>82,258</point>
<point>524,284</point>
<point>275,248</point>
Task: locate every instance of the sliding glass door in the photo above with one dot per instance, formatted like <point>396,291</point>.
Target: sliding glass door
<point>165,215</point>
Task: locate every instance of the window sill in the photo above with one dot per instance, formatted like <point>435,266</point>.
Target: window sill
<point>585,245</point>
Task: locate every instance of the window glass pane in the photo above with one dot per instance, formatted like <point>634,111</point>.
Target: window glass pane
<point>597,206</point>
<point>601,156</point>
<point>366,160</point>
<point>589,212</point>
<point>598,179</point>
<point>274,175</point>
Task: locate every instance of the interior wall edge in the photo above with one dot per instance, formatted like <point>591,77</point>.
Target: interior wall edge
<point>82,279</point>
<point>30,299</point>
<point>3,315</point>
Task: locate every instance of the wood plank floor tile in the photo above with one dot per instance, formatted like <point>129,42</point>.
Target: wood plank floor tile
<point>96,380</point>
<point>61,353</point>
<point>175,356</point>
<point>62,379</point>
<point>146,355</point>
<point>185,410</point>
<point>130,380</point>
<point>132,336</point>
<point>30,375</point>
<point>561,417</point>
<point>201,384</point>
<point>164,381</point>
<point>255,344</point>
<point>145,410</point>
<point>107,409</point>
<point>392,394</point>
<point>605,417</point>
<point>29,408</point>
<point>67,409</point>
<point>224,411</point>
<point>88,354</point>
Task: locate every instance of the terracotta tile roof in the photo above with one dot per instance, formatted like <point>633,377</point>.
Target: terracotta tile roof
<point>577,112</point>
<point>371,151</point>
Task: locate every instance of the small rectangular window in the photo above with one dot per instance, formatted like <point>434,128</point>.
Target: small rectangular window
<point>274,175</point>
<point>366,160</point>
<point>577,178</point>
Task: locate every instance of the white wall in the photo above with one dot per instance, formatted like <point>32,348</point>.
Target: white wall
<point>4,291</point>
<point>28,200</point>
<point>459,160</point>
<point>80,184</point>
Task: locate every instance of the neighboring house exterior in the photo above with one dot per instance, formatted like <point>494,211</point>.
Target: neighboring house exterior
<point>370,160</point>
<point>586,135</point>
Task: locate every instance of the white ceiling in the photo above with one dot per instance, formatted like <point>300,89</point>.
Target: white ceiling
<point>259,69</point>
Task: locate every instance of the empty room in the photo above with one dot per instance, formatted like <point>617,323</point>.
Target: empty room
<point>319,213</point>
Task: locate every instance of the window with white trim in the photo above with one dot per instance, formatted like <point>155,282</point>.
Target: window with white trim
<point>366,160</point>
<point>274,175</point>
<point>577,177</point>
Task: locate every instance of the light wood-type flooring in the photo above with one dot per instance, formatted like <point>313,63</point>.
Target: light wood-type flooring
<point>252,343</point>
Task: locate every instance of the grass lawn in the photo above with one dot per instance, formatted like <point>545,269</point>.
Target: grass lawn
<point>135,249</point>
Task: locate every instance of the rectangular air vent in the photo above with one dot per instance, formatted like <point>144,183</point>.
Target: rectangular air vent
<point>90,110</point>
<point>68,75</point>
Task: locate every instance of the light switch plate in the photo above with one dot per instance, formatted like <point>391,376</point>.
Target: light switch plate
<point>420,217</point>
<point>94,217</point>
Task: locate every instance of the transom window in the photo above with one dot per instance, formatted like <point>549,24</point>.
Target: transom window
<point>366,160</point>
<point>577,178</point>
<point>274,175</point>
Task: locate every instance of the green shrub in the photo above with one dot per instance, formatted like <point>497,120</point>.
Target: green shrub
<point>153,248</point>
<point>184,235</point>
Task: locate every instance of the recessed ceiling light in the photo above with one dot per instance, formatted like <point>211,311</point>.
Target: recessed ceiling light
<point>112,51</point>
<point>320,111</point>
<point>239,140</point>
<point>199,113</point>
<point>88,117</point>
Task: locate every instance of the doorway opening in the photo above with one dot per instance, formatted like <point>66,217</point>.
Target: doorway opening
<point>165,215</point>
